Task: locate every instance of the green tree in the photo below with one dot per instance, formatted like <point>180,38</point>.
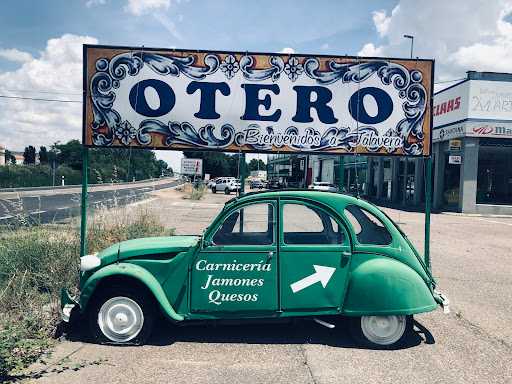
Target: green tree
<point>43,155</point>
<point>29,155</point>
<point>9,157</point>
<point>254,163</point>
<point>70,154</point>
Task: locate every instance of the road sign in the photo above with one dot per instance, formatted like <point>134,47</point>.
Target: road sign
<point>455,160</point>
<point>191,166</point>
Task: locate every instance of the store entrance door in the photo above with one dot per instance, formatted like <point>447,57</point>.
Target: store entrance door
<point>451,182</point>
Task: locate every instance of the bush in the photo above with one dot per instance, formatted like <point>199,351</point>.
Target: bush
<point>29,175</point>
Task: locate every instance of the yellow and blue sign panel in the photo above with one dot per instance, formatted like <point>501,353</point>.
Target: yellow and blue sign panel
<point>256,102</point>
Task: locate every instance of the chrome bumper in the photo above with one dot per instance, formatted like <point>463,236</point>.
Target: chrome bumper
<point>445,301</point>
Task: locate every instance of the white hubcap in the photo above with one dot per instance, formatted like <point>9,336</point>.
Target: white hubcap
<point>383,330</point>
<point>120,319</point>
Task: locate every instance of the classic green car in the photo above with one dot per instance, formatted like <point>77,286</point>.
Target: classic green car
<point>268,255</point>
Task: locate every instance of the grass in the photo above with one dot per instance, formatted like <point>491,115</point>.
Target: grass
<point>36,260</point>
<point>193,191</point>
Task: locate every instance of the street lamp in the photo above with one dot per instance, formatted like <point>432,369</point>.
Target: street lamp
<point>412,41</point>
<point>406,171</point>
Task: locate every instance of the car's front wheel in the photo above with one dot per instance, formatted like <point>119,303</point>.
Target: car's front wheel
<point>121,316</point>
<point>214,190</point>
<point>227,191</point>
<point>381,332</point>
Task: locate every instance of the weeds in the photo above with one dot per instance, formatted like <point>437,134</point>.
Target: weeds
<point>37,260</point>
<point>21,342</point>
<point>193,191</point>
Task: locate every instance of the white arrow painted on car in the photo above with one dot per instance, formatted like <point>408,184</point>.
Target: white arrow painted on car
<point>322,275</point>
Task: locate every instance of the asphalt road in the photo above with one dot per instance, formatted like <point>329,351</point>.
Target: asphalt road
<point>52,204</point>
<point>473,344</point>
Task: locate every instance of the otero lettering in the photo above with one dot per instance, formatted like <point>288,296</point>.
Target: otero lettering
<point>232,282</point>
<point>258,102</point>
<point>203,265</point>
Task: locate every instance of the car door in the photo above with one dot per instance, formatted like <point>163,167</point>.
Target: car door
<point>236,269</point>
<point>315,254</point>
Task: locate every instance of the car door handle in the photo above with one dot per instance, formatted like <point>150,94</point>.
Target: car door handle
<point>346,254</point>
<point>270,256</point>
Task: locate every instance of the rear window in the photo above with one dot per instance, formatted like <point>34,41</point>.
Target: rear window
<point>367,227</point>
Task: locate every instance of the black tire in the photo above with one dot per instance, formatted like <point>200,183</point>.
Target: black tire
<point>394,330</point>
<point>227,191</point>
<point>214,190</point>
<point>123,305</point>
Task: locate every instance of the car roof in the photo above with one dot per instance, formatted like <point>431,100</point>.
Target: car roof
<point>333,199</point>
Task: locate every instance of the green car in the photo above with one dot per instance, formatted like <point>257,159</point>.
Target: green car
<point>268,255</point>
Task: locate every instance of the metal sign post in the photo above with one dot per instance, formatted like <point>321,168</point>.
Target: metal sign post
<point>83,226</point>
<point>428,200</point>
<point>341,172</point>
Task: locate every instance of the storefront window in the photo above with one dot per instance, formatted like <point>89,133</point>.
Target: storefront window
<point>494,183</point>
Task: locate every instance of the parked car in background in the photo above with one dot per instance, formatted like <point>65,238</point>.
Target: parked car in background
<point>274,184</point>
<point>257,184</point>
<point>218,180</point>
<point>227,185</point>
<point>211,183</point>
<point>323,186</point>
<point>268,255</point>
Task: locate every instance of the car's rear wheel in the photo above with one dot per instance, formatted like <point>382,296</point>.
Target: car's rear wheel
<point>227,191</point>
<point>381,332</point>
<point>214,190</point>
<point>121,316</point>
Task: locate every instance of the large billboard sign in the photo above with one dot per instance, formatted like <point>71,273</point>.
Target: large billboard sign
<point>255,102</point>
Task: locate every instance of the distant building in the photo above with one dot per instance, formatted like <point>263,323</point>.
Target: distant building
<point>19,159</point>
<point>259,174</point>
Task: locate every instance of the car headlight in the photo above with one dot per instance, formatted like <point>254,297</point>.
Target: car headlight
<point>89,262</point>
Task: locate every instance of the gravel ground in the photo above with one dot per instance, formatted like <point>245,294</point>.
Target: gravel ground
<point>473,344</point>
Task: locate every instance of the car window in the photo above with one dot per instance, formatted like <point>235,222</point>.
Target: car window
<point>251,225</point>
<point>367,227</point>
<point>303,224</point>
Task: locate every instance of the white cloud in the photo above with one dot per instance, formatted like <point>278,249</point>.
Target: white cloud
<point>15,55</point>
<point>93,2</point>
<point>140,7</point>
<point>287,50</point>
<point>59,71</point>
<point>369,50</point>
<point>325,46</point>
<point>168,24</point>
<point>381,22</point>
<point>461,35</point>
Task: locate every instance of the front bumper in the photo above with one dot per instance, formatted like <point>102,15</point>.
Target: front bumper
<point>67,303</point>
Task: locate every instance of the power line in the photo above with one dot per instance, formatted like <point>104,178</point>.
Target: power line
<point>51,93</point>
<point>450,81</point>
<point>40,99</point>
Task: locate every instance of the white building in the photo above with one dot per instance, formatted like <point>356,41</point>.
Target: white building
<point>472,144</point>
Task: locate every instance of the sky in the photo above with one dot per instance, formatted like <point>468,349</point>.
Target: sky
<point>41,44</point>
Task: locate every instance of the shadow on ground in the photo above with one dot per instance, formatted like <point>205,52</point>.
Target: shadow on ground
<point>295,332</point>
